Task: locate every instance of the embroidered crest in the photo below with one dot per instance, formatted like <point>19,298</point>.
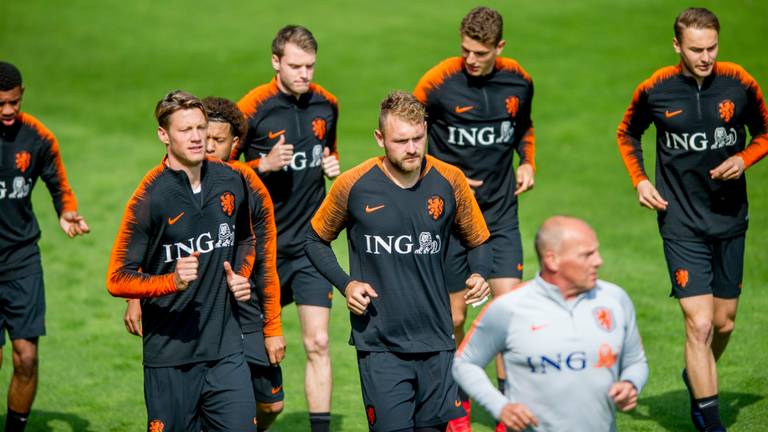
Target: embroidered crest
<point>435,206</point>
<point>319,128</point>
<point>726,109</point>
<point>228,203</point>
<point>512,103</point>
<point>23,159</point>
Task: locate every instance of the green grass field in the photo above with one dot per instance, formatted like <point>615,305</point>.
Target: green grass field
<point>94,70</point>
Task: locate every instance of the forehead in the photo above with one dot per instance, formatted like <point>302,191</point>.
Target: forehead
<point>698,37</point>
<point>470,44</point>
<point>186,117</point>
<point>397,127</point>
<point>10,95</point>
<point>295,55</point>
<point>219,129</point>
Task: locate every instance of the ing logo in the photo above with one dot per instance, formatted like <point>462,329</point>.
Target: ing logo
<point>512,104</point>
<point>227,203</point>
<point>319,128</point>
<point>726,109</point>
<point>681,277</point>
<point>23,159</point>
<point>435,206</point>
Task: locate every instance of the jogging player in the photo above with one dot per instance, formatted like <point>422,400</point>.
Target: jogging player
<point>570,341</point>
<point>259,317</point>
<point>291,143</point>
<point>398,211</point>
<point>479,115</point>
<point>185,247</point>
<point>701,109</point>
<point>28,151</point>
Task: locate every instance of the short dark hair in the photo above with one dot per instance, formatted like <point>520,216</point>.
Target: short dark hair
<point>295,34</point>
<point>225,111</point>
<point>698,18</point>
<point>402,105</point>
<point>175,101</point>
<point>483,24</point>
<point>10,77</point>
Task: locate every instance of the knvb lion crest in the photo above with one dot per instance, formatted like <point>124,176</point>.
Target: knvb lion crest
<point>228,203</point>
<point>319,128</point>
<point>605,357</point>
<point>435,206</point>
<point>512,104</point>
<point>681,277</point>
<point>604,318</point>
<point>370,412</point>
<point>156,426</point>
<point>726,109</point>
<point>23,159</point>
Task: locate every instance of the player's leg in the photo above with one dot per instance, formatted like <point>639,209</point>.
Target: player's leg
<point>177,409</point>
<point>387,381</point>
<point>724,323</point>
<point>437,394</point>
<point>227,401</point>
<point>314,296</point>
<point>728,271</point>
<point>24,311</point>
<point>266,380</point>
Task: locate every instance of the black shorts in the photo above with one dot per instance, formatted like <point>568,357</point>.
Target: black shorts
<point>506,250</point>
<point>213,396</point>
<point>698,267</point>
<point>301,282</point>
<point>403,391</point>
<point>267,380</point>
<point>22,308</point>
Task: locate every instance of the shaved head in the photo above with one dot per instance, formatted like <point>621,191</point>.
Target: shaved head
<point>550,235</point>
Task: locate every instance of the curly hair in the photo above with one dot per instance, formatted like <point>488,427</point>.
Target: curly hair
<point>402,105</point>
<point>10,77</point>
<point>225,111</point>
<point>483,24</point>
<point>295,34</point>
<point>698,18</point>
<point>175,101</point>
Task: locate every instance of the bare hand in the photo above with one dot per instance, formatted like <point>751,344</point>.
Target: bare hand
<point>524,176</point>
<point>517,416</point>
<point>186,271</point>
<point>73,224</point>
<point>132,317</point>
<point>649,197</point>
<point>624,395</point>
<point>477,289</point>
<point>239,285</point>
<point>275,346</point>
<point>731,169</point>
<point>474,184</point>
<point>280,156</point>
<point>359,296</point>
<point>331,166</point>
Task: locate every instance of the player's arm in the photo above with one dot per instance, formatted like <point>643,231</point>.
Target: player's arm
<point>636,120</point>
<point>238,274</point>
<point>757,123</point>
<point>634,366</point>
<point>526,149</point>
<point>331,165</point>
<point>132,317</point>
<point>124,275</point>
<point>55,177</point>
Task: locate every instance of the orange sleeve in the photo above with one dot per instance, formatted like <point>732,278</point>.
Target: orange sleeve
<point>332,215</point>
<point>435,77</point>
<point>124,275</point>
<point>469,221</point>
<point>249,105</point>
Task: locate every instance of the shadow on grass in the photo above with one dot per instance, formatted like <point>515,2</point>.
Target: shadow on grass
<point>45,421</point>
<point>671,410</point>
<point>299,421</point>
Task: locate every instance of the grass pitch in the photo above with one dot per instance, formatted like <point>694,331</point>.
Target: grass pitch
<point>94,70</point>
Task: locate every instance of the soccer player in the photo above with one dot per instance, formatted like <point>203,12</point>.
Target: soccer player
<point>28,151</point>
<point>185,247</point>
<point>398,211</point>
<point>291,143</point>
<point>479,115</point>
<point>570,341</point>
<point>701,109</point>
<point>259,317</point>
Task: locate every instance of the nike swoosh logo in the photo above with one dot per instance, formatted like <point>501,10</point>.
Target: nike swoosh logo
<point>369,209</point>
<point>276,390</point>
<point>172,221</point>
<point>706,404</point>
<point>670,114</point>
<point>463,109</point>
<point>273,135</point>
<point>535,327</point>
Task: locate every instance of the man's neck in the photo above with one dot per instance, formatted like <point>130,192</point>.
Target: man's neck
<point>687,72</point>
<point>403,179</point>
<point>553,279</point>
<point>283,89</point>
<point>193,172</point>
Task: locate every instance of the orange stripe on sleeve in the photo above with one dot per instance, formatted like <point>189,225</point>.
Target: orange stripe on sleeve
<point>436,76</point>
<point>332,215</point>
<point>505,63</point>
<point>528,148</point>
<point>124,275</point>
<point>249,105</point>
<point>469,219</point>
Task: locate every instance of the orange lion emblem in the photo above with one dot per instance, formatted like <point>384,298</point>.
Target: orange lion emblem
<point>726,110</point>
<point>512,103</point>
<point>681,277</point>
<point>604,318</point>
<point>228,203</point>
<point>156,426</point>
<point>605,356</point>
<point>23,159</point>
<point>435,207</point>
<point>319,128</point>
